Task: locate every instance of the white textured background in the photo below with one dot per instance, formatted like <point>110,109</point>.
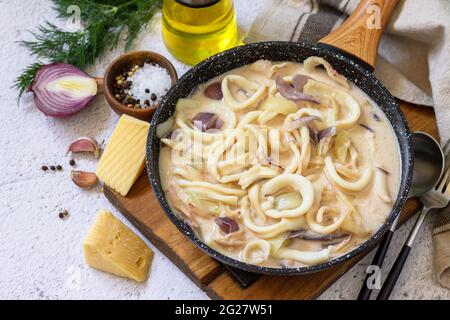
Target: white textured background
<point>40,255</point>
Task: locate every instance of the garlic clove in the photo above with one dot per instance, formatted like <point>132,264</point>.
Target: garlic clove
<point>85,180</point>
<point>85,144</point>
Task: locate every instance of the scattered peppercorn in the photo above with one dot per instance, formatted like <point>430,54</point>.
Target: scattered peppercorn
<point>58,167</point>
<point>72,162</point>
<point>147,90</point>
<point>64,214</point>
<point>53,168</point>
<point>153,97</point>
<point>44,168</point>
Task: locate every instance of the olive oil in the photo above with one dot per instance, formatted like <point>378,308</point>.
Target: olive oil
<point>193,30</point>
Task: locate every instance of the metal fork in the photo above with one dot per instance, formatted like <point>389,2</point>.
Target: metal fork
<point>434,199</point>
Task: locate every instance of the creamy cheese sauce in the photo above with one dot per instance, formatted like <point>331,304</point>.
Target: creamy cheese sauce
<point>251,211</point>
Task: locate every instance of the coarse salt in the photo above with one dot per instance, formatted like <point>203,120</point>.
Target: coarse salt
<point>152,78</point>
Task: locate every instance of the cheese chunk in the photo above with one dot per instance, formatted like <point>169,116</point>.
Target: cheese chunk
<point>123,160</point>
<point>112,247</point>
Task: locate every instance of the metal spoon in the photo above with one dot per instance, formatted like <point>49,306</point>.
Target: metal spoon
<point>436,198</point>
<point>429,164</point>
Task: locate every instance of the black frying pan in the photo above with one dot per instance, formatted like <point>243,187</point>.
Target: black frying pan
<point>351,50</point>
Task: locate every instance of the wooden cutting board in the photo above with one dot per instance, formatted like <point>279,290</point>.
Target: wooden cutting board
<point>142,209</point>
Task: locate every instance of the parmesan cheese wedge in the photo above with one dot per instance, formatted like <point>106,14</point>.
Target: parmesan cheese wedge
<point>112,247</point>
<point>123,160</point>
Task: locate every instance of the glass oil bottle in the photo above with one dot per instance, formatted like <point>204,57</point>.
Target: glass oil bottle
<point>193,30</point>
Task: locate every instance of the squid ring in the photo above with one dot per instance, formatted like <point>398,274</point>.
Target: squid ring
<point>271,230</point>
<point>314,222</point>
<point>322,90</point>
<point>256,252</point>
<point>357,185</point>
<point>246,85</point>
<point>296,182</point>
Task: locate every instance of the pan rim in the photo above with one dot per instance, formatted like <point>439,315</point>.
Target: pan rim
<point>406,169</point>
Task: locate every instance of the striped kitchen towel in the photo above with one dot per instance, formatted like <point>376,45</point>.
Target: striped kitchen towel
<point>414,54</point>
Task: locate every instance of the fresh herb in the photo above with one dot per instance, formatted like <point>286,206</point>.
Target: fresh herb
<point>104,21</point>
<point>24,81</point>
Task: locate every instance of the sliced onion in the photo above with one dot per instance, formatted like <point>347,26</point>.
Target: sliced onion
<point>164,128</point>
<point>214,91</point>
<point>384,171</point>
<point>62,89</point>
<point>219,124</point>
<point>316,135</point>
<point>313,62</point>
<point>366,127</point>
<point>205,121</point>
<point>299,81</point>
<point>313,236</point>
<point>227,225</point>
<point>300,122</point>
<point>313,134</point>
<point>376,117</point>
<point>325,133</point>
<point>291,93</point>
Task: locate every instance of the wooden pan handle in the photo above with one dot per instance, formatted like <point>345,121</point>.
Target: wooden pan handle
<point>360,34</point>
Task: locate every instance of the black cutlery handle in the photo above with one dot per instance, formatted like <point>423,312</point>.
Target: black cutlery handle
<point>393,275</point>
<point>365,292</point>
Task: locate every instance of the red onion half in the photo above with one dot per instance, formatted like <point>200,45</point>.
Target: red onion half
<point>62,89</point>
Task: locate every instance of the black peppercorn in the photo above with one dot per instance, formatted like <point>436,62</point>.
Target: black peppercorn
<point>63,214</point>
<point>72,162</point>
<point>147,90</point>
<point>126,85</point>
<point>53,168</point>
<point>154,97</point>
<point>44,168</point>
<point>58,167</point>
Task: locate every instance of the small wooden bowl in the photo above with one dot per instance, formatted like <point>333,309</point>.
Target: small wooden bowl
<point>125,61</point>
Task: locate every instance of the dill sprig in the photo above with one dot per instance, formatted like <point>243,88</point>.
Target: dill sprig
<point>103,21</point>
